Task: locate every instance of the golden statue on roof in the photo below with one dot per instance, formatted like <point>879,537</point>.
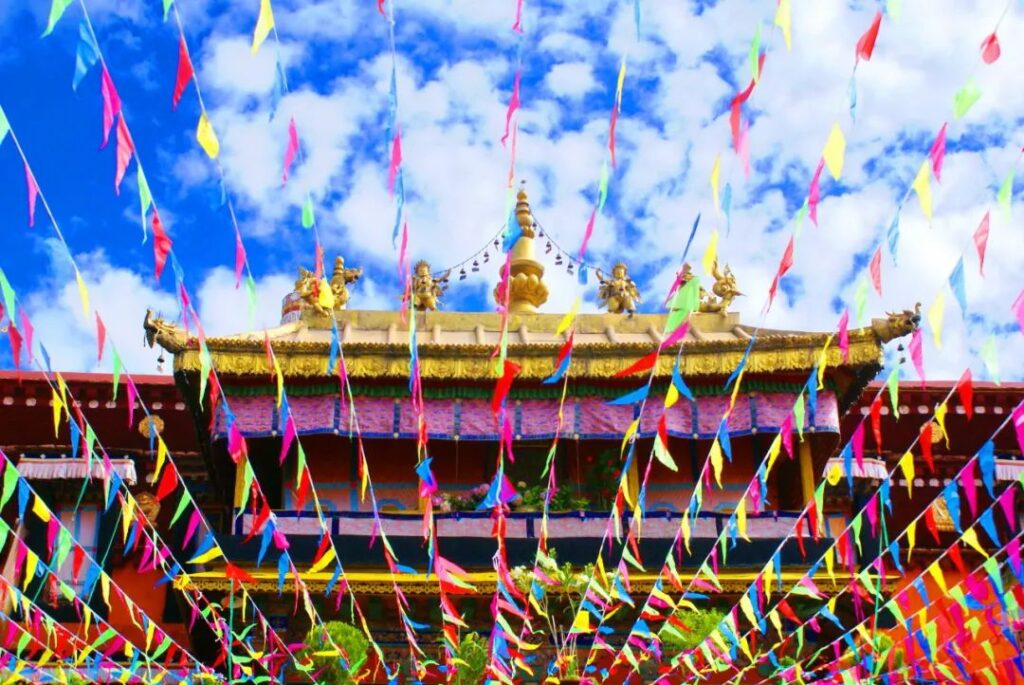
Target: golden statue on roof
<point>340,280</point>
<point>619,292</point>
<point>724,287</point>
<point>427,290</point>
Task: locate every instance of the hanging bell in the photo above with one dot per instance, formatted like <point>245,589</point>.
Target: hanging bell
<point>540,232</point>
<point>558,259</point>
<point>476,266</point>
<point>487,257</point>
<point>497,243</point>
<point>547,248</point>
<point>462,274</point>
<point>569,270</point>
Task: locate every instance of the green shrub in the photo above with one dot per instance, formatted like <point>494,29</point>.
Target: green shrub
<point>700,623</point>
<point>329,669</point>
<point>474,652</point>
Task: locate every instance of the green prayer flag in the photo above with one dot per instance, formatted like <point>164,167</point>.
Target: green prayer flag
<point>247,477</point>
<point>965,99</point>
<point>989,356</point>
<point>894,8</point>
<point>182,503</point>
<point>893,382</point>
<point>162,648</point>
<point>167,8</point>
<point>858,521</point>
<point>116,372</point>
<point>10,480</point>
<point>5,126</point>
<point>686,300</point>
<point>799,639</point>
<point>23,642</point>
<point>755,54</point>
<point>860,300</point>
<point>799,415</point>
<point>104,636</point>
<point>56,12</point>
<point>8,293</point>
<point>992,568</point>
<point>307,213</point>
<point>145,197</point>
<point>250,291</point>
<point>90,440</point>
<point>1006,193</point>
<point>602,187</point>
<point>205,363</point>
<point>798,221</point>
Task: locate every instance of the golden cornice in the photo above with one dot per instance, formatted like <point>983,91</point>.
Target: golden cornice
<point>474,362</point>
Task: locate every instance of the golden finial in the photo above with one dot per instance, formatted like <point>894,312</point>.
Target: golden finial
<point>527,290</point>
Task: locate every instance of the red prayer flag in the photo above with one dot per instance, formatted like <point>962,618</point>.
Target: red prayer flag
<point>293,149</point>
<point>990,48</point>
<point>302,490</point>
<point>784,266</point>
<point>876,270</point>
<point>966,392</point>
<point>866,44</point>
<point>161,245</point>
<point>101,337</point>
<point>168,482</point>
<point>185,73</point>
<point>33,193</point>
<point>501,388</point>
<point>929,522</point>
<point>234,573</point>
<point>938,152</point>
<point>15,338</point>
<point>27,329</point>
<point>981,242</point>
<point>876,421</point>
<point>111,104</point>
<point>926,446</point>
<point>125,149</point>
<point>513,105</point>
<point>645,363</point>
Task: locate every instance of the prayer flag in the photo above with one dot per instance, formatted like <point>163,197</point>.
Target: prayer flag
<point>86,55</point>
<point>33,193</point>
<point>965,98</point>
<point>264,24</point>
<point>711,253</point>
<point>185,73</point>
<point>206,137</point>
<point>938,152</point>
<point>125,150</point>
<point>876,270</point>
<point>161,245</point>
<point>783,19</point>
<point>1005,195</point>
<point>111,104</point>
<point>935,315</point>
<point>922,185</point>
<point>835,151</point>
<point>866,43</point>
<point>981,242</point>
<point>56,12</point>
<point>716,172</point>
<point>956,283</point>
<point>1018,310</point>
<point>990,49</point>
<point>513,105</point>
<point>291,151</point>
<point>916,355</point>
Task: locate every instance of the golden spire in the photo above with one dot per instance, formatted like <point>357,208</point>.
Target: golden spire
<point>527,290</point>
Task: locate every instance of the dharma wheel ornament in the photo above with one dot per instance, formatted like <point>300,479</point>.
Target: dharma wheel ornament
<point>618,292</point>
<point>427,290</point>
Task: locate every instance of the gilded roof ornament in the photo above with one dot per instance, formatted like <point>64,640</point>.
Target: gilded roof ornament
<point>427,290</point>
<point>724,288</point>
<point>527,290</point>
<point>618,292</point>
<point>324,296</point>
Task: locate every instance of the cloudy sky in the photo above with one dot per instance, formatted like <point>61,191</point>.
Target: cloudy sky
<point>456,62</point>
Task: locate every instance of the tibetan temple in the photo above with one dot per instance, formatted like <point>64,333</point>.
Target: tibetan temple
<point>323,404</point>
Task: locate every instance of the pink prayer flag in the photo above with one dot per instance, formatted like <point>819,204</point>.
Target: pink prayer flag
<point>517,25</point>
<point>28,331</point>
<point>293,149</point>
<point>981,242</point>
<point>916,355</point>
<point>938,152</point>
<point>589,231</point>
<point>966,392</point>
<point>239,258</point>
<point>185,73</point>
<point>990,49</point>
<point>1006,501</point>
<point>786,431</point>
<point>111,104</point>
<point>676,335</point>
<point>33,193</point>
<point>513,105</point>
<point>125,149</point>
<point>289,437</point>
<point>1018,310</point>
<point>876,270</point>
<point>132,394</point>
<point>611,132</point>
<point>871,510</point>
<point>844,335</point>
<point>866,44</point>
<point>1018,424</point>
<point>814,194</point>
<point>101,337</point>
<point>15,339</point>
<point>396,161</point>
<point>969,483</point>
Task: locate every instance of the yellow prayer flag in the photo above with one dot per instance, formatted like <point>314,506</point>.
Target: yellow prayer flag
<point>684,524</point>
<point>940,418</point>
<point>912,540</point>
<point>325,296</point>
<point>83,293</point>
<point>830,563</point>
<point>783,19</point>
<point>748,609</point>
<point>264,23</point>
<point>711,253</point>
<point>773,453</point>
<point>161,455</point>
<point>970,536</point>
<point>773,616</point>
<point>567,320</point>
<point>40,509</point>
<point>716,174</point>
<point>935,315</point>
<point>936,573</point>
<point>150,629</point>
<point>327,558</point>
<point>741,518</point>
<point>280,381</point>
<point>57,406</point>
<point>922,185</point>
<point>206,137</point>
<point>630,432</point>
<point>835,151</point>
<point>716,461</point>
<point>209,555</point>
<point>618,84</point>
<point>823,361</point>
<point>671,395</point>
<point>105,588</point>
<point>581,624</point>
<point>907,467</point>
<point>31,560</point>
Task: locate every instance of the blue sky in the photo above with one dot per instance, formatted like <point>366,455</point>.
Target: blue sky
<point>456,61</point>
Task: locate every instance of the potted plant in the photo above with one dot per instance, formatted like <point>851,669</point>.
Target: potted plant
<point>473,651</point>
<point>328,668</point>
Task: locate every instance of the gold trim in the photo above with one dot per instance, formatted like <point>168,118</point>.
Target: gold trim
<point>473,362</point>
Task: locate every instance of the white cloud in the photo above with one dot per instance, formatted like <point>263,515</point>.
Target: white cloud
<point>573,80</point>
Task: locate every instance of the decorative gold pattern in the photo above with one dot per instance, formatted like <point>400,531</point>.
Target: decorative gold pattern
<point>619,293</point>
<point>427,290</point>
<point>724,287</point>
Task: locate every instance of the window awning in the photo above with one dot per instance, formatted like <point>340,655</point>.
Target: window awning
<point>35,468</point>
<point>872,469</point>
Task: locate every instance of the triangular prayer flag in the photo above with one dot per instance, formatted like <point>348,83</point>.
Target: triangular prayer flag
<point>711,253</point>
<point>956,284</point>
<point>834,153</point>
<point>981,241</point>
<point>935,315</point>
<point>783,19</point>
<point>965,98</point>
<point>1005,195</point>
<point>264,23</point>
<point>291,150</point>
<point>206,137</point>
<point>56,12</point>
<point>716,172</point>
<point>185,73</point>
<point>33,193</point>
<point>866,43</point>
<point>922,186</point>
<point>86,55</point>
<point>937,153</point>
<point>875,269</point>
<point>990,49</point>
